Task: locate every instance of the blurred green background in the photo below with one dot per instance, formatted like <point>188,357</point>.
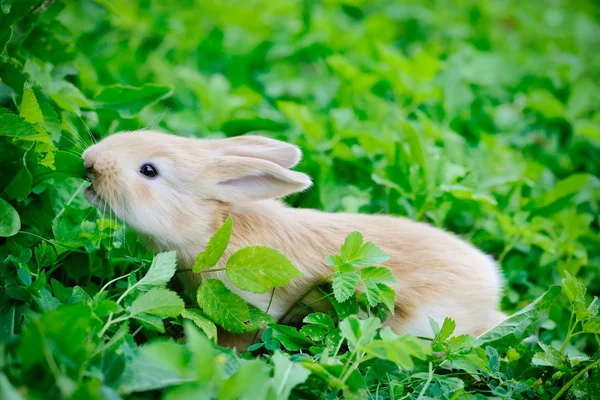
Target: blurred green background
<point>480,117</point>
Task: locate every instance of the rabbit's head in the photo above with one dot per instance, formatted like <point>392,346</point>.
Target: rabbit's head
<point>170,187</point>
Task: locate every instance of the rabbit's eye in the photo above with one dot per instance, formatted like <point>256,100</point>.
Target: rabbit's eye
<point>149,171</point>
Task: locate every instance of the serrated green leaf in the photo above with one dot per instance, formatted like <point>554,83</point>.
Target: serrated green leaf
<point>387,296</point>
<point>351,246</point>
<point>592,325</point>
<point>377,275</point>
<point>259,269</point>
<point>372,293</point>
<point>44,255</point>
<point>161,270</point>
<point>345,282</point>
<point>157,301</point>
<point>30,110</point>
<point>16,127</point>
<point>202,321</point>
<point>223,306</point>
<point>215,248</point>
<point>354,252</point>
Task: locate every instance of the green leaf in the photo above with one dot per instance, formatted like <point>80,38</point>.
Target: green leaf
<point>399,350</point>
<point>259,319</point>
<point>161,270</point>
<point>259,269</point>
<point>351,247</point>
<point>521,324</point>
<point>142,373</point>
<point>247,383</point>
<point>21,184</point>
<point>290,338</point>
<point>377,275</point>
<point>128,101</point>
<point>202,321</point>
<point>14,126</point>
<point>357,331</point>
<point>215,248</point>
<point>44,255</point>
<point>10,223</point>
<point>151,321</point>
<point>345,282</point>
<point>167,353</point>
<point>561,194</point>
<point>370,254</point>
<point>223,306</point>
<point>287,375</point>
<point>24,276</point>
<point>354,252</point>
<point>592,325</point>
<point>372,293</point>
<point>575,291</point>
<point>447,329</point>
<point>314,332</point>
<point>320,319</point>
<point>387,295</point>
<point>551,357</point>
<point>157,301</point>
<point>30,110</point>
<point>203,357</point>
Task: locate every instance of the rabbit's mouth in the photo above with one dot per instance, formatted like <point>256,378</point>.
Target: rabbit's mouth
<point>92,196</point>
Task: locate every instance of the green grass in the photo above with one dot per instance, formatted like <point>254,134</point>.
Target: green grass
<point>482,118</point>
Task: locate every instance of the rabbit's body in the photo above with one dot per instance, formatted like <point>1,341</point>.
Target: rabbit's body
<point>438,275</point>
<point>200,182</point>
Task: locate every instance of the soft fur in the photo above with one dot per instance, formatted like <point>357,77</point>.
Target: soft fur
<point>201,182</point>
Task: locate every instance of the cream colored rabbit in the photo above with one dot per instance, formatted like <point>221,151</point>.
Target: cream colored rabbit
<point>177,191</point>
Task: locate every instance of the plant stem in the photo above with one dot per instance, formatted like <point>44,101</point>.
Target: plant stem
<point>574,379</point>
<point>213,270</point>
<point>307,306</point>
<point>114,280</point>
<point>299,301</point>
<point>428,382</point>
<point>569,331</point>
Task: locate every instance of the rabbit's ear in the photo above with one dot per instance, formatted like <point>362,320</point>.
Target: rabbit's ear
<point>283,154</point>
<point>244,179</point>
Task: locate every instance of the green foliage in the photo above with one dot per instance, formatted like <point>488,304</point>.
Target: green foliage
<point>480,118</point>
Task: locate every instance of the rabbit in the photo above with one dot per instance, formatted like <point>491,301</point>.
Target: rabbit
<point>177,191</point>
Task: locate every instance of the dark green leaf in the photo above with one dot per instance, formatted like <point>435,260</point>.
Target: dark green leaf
<point>223,306</point>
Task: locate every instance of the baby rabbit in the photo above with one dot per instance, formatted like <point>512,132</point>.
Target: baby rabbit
<point>178,191</point>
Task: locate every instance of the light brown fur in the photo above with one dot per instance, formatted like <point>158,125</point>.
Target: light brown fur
<point>438,274</point>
